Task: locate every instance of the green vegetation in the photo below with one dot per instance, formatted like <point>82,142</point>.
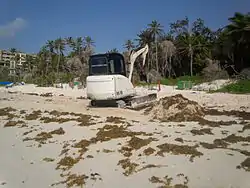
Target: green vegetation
<point>172,81</point>
<point>187,48</point>
<point>240,87</point>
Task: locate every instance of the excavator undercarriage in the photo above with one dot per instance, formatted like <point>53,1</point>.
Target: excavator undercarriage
<point>135,102</point>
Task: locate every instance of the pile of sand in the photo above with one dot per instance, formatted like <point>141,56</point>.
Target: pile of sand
<point>176,109</point>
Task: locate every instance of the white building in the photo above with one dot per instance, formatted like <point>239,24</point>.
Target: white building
<point>12,60</point>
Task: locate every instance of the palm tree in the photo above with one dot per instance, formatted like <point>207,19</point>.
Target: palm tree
<point>114,50</point>
<point>43,52</point>
<point>156,29</point>
<point>43,56</point>
<point>239,26</point>
<point>89,42</point>
<point>185,45</point>
<point>238,32</point>
<point>60,47</point>
<point>50,45</point>
<point>239,29</point>
<point>145,37</point>
<point>185,38</point>
<point>13,59</point>
<point>129,45</point>
<point>70,41</point>
<point>29,63</point>
<point>165,37</point>
<point>13,50</point>
<point>78,45</point>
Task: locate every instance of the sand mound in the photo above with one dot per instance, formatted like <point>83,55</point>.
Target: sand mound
<point>175,108</point>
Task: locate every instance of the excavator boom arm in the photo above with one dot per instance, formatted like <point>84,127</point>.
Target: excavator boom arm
<point>134,56</point>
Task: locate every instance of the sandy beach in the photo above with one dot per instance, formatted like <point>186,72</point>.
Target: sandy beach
<point>200,140</point>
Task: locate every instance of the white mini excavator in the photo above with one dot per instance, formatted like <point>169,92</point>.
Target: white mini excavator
<point>107,84</point>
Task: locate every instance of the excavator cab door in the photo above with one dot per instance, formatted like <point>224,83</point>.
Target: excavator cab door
<point>117,64</point>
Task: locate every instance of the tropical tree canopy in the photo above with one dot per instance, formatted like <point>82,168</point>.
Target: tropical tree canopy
<point>181,50</point>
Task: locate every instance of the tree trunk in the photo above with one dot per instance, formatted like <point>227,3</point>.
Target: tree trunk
<point>163,72</point>
<point>149,61</point>
<point>190,49</point>
<point>156,55</point>
<point>58,63</point>
<point>191,61</point>
<point>170,66</point>
<point>166,65</point>
<point>29,66</point>
<point>46,69</point>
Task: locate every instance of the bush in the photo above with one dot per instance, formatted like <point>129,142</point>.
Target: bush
<point>193,79</point>
<point>240,87</point>
<point>52,78</point>
<point>28,78</point>
<point>4,72</point>
<point>64,77</point>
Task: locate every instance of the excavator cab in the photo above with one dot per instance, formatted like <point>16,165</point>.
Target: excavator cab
<point>107,64</point>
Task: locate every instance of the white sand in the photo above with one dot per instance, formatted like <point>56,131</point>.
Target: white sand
<point>213,85</point>
<point>22,165</point>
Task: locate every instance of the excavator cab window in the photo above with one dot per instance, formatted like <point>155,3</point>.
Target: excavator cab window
<point>98,65</point>
<point>107,64</point>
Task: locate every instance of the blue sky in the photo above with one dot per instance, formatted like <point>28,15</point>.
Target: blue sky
<point>28,24</point>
